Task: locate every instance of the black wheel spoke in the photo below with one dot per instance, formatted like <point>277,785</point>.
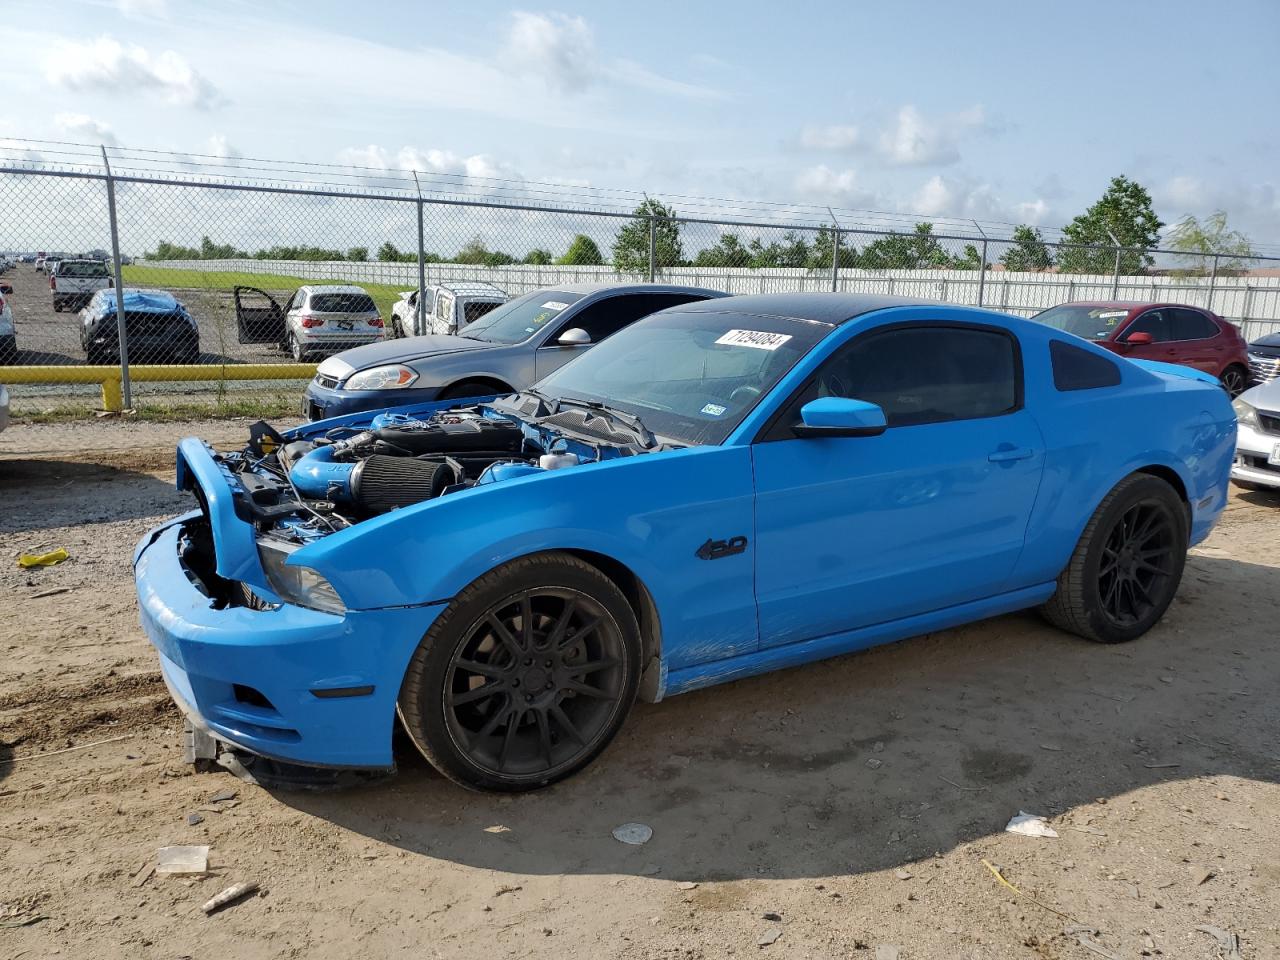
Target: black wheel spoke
<point>482,669</point>
<point>592,666</point>
<point>567,725</point>
<point>526,622</point>
<point>544,735</point>
<point>512,725</point>
<point>504,636</point>
<point>478,693</point>
<point>577,686</point>
<point>579,634</point>
<point>556,636</point>
<point>494,722</point>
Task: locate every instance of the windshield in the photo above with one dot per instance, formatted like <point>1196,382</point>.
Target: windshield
<point>517,320</point>
<point>1092,323</point>
<point>342,303</point>
<point>72,268</point>
<point>690,377</point>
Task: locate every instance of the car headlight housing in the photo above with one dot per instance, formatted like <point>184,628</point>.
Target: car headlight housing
<point>1246,414</point>
<point>393,376</point>
<point>300,586</point>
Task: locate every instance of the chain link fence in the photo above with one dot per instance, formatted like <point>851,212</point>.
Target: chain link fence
<point>211,270</point>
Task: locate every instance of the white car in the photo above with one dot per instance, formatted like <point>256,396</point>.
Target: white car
<point>74,282</point>
<point>404,313</point>
<point>317,320</point>
<point>457,305</point>
<point>8,334</point>
<point>1257,463</point>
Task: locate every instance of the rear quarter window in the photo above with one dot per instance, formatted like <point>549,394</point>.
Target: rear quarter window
<point>1077,369</point>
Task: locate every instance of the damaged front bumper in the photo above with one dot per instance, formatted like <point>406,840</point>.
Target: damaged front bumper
<point>282,681</point>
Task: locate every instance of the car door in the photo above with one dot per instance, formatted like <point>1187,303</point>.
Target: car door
<point>1163,346</point>
<point>1199,341</point>
<point>259,318</point>
<point>600,319</point>
<point>854,531</point>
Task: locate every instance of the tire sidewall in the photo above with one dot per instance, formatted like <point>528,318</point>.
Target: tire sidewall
<point>1143,490</point>
<point>421,703</point>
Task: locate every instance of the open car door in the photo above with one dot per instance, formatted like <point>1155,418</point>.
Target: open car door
<point>259,318</point>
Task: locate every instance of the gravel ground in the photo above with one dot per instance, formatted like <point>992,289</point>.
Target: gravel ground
<point>844,807</point>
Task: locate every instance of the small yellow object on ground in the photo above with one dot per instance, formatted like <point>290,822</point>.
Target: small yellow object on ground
<point>44,559</point>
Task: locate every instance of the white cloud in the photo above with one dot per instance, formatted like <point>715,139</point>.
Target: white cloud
<point>1034,212</point>
<point>222,149</point>
<point>83,127</point>
<point>915,140</point>
<point>106,65</point>
<point>830,137</point>
<point>834,186</point>
<point>143,9</point>
<point>556,47</point>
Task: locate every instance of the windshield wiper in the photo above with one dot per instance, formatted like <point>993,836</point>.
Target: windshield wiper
<point>629,420</point>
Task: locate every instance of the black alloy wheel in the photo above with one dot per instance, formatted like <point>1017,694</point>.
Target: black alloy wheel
<point>1137,563</point>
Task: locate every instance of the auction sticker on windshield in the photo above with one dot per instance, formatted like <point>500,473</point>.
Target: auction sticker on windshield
<point>554,305</point>
<point>760,339</point>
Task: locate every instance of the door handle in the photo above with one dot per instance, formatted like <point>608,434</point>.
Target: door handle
<point>1010,454</point>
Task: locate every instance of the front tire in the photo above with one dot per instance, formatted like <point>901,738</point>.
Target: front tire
<point>1234,380</point>
<point>1126,566</point>
<point>526,677</point>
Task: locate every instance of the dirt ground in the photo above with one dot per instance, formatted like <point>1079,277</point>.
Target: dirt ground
<point>846,807</point>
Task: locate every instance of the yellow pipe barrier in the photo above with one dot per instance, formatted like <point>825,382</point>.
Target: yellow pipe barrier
<point>109,377</point>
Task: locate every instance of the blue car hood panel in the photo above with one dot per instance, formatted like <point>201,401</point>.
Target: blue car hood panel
<point>409,350</point>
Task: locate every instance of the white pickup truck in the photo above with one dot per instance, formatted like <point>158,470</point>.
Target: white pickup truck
<point>74,282</point>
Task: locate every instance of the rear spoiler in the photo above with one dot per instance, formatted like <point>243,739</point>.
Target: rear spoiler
<point>1177,370</point>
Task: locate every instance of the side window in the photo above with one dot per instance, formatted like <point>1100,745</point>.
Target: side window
<point>1192,325</point>
<point>606,317</point>
<point>443,306</point>
<point>295,302</point>
<point>925,374</point>
<point>1077,369</point>
<point>1154,322</point>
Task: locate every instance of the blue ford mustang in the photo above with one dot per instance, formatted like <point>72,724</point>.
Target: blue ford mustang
<point>722,489</point>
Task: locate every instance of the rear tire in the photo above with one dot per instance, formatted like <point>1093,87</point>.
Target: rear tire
<point>296,349</point>
<point>555,648</point>
<point>473,388</point>
<point>57,306</point>
<point>1234,380</point>
<point>1127,564</point>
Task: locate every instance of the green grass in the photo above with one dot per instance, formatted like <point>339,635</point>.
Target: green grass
<point>165,412</point>
<point>384,295</point>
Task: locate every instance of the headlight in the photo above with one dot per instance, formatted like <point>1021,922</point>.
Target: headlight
<point>300,586</point>
<point>394,376</point>
<point>1245,413</point>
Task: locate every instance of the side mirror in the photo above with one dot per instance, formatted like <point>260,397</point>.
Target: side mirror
<point>574,337</point>
<point>840,417</point>
<point>1139,338</point>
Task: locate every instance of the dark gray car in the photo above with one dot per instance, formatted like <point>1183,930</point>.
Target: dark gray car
<point>504,351</point>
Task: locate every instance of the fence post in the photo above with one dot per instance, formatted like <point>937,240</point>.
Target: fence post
<point>982,265</point>
<point>835,258</point>
<point>1213,281</point>
<point>653,244</point>
<point>420,313</point>
<point>1115,275</point>
<point>122,328</point>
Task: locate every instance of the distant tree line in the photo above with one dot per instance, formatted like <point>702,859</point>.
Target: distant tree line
<point>1124,215</point>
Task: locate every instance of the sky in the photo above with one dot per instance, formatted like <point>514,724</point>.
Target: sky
<point>999,111</point>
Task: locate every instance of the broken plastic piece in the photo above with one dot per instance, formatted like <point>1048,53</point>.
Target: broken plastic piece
<point>1029,825</point>
<point>28,560</point>
<point>633,833</point>
<point>183,860</point>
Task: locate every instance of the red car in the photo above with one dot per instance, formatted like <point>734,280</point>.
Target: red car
<point>1172,332</point>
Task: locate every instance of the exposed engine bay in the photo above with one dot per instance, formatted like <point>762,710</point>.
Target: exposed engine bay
<point>303,488</point>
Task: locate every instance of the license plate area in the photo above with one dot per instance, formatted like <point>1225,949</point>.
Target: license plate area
<point>1274,459</point>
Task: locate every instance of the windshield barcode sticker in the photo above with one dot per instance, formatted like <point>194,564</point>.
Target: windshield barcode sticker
<point>554,305</point>
<point>760,339</point>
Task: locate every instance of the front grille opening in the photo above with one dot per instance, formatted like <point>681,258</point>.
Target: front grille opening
<point>251,696</point>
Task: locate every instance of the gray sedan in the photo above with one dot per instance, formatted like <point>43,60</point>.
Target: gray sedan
<point>504,351</point>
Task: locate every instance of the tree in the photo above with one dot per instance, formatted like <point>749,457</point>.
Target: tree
<point>537,256</point>
<point>820,255</point>
<point>358,254</point>
<point>1028,252</point>
<point>388,253</point>
<point>914,251</point>
<point>631,245</point>
<point>1199,241</point>
<point>1124,211</point>
<point>728,252</point>
<point>582,252</point>
<point>791,251</point>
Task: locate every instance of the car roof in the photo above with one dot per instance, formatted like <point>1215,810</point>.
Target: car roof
<point>830,308</point>
<point>471,286</point>
<point>1129,305</point>
<point>333,288</point>
<point>589,288</point>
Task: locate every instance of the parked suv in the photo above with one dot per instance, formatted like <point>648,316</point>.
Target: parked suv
<point>74,282</point>
<point>1264,358</point>
<point>321,319</point>
<point>1172,332</point>
<point>159,328</point>
<point>514,345</point>
<point>449,307</point>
